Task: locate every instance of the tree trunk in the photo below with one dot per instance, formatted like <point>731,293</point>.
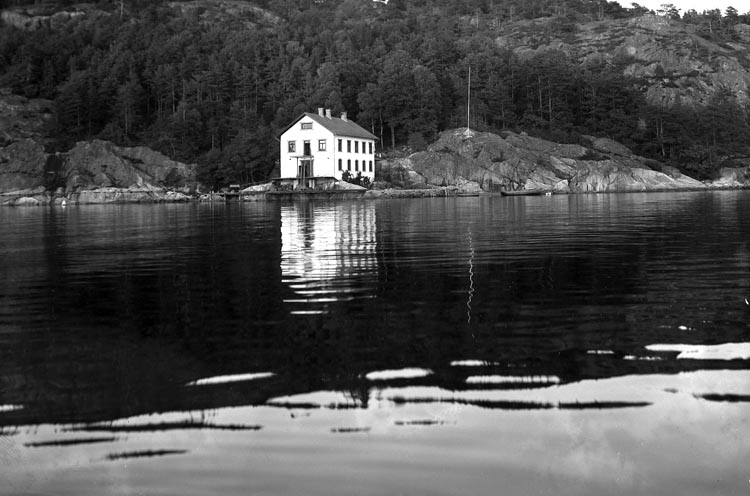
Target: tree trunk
<point>380,117</point>
<point>541,105</point>
<point>184,100</point>
<point>549,101</point>
<point>660,135</point>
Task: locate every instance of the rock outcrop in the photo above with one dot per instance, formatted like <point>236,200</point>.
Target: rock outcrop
<point>28,20</point>
<point>228,11</point>
<point>101,164</point>
<point>675,64</point>
<point>22,166</point>
<point>92,172</point>
<point>516,162</point>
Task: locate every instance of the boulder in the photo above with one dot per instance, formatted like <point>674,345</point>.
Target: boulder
<point>258,188</point>
<point>175,196</point>
<point>609,146</point>
<point>345,186</point>
<point>732,177</point>
<point>27,201</point>
<point>164,170</point>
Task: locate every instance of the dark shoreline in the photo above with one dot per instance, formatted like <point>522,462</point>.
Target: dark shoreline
<point>45,200</point>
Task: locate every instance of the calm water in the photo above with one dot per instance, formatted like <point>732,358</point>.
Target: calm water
<point>563,345</point>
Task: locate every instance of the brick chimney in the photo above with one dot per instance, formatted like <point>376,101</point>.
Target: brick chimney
<point>343,116</point>
<point>328,113</point>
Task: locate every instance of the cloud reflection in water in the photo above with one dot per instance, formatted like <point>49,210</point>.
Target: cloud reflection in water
<point>725,351</point>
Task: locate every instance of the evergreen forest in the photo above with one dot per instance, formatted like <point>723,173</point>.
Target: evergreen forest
<point>215,82</point>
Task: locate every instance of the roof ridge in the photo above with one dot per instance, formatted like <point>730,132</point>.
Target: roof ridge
<point>337,125</point>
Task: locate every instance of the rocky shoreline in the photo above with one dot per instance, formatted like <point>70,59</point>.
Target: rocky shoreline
<point>459,163</point>
<point>135,196</point>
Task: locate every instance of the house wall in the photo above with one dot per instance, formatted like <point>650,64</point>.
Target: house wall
<point>323,164</point>
<point>356,155</point>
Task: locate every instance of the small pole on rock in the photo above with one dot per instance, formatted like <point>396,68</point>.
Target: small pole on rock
<point>468,103</point>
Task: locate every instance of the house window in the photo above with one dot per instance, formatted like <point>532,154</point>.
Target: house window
<point>371,147</point>
<point>370,165</point>
<point>348,146</point>
<point>348,165</point>
<point>340,145</point>
<point>307,125</point>
<point>356,147</point>
<point>321,145</point>
<point>341,167</point>
<point>292,146</point>
<point>356,165</point>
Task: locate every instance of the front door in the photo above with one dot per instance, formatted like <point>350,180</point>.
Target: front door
<point>306,152</point>
<point>305,168</point>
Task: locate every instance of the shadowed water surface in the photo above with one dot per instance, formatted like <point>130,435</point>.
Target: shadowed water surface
<point>591,344</point>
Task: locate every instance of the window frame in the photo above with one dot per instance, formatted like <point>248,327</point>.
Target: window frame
<point>291,146</point>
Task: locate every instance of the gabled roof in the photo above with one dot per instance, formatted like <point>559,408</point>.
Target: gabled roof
<point>337,126</point>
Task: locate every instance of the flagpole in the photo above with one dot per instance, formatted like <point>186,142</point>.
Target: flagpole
<point>468,104</point>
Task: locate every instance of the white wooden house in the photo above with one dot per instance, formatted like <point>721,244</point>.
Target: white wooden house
<point>321,146</point>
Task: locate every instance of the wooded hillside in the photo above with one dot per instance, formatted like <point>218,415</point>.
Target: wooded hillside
<point>213,82</point>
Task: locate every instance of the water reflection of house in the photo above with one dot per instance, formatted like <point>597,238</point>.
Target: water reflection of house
<point>317,146</point>
<point>328,252</point>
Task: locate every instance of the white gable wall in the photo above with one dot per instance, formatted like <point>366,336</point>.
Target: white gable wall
<point>323,164</point>
<point>357,155</point>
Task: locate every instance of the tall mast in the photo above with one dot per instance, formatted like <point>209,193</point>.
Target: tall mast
<point>468,103</point>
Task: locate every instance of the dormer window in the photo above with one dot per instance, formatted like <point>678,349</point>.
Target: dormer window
<point>307,125</point>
